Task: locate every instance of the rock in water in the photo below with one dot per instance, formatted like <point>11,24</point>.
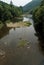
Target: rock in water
<point>2,53</point>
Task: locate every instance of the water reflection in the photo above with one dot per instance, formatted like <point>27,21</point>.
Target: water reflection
<point>4,31</point>
<point>42,62</point>
<point>41,41</point>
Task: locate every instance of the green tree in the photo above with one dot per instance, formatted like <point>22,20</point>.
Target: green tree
<point>38,16</point>
<point>9,11</point>
<point>42,3</point>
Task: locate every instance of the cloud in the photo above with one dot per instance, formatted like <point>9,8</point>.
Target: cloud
<point>18,2</point>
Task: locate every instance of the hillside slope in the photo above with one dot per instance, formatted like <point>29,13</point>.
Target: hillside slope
<point>31,5</point>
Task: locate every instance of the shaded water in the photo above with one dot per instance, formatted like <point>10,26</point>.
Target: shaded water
<point>10,51</point>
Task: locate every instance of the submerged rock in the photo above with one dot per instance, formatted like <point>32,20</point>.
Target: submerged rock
<point>28,47</point>
<point>2,53</point>
<point>5,43</point>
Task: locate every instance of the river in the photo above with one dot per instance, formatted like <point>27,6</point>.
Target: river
<point>12,54</point>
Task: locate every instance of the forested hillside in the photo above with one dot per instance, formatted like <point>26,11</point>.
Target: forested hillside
<point>30,6</point>
<point>9,11</point>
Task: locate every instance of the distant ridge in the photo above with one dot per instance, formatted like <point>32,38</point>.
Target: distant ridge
<point>31,5</point>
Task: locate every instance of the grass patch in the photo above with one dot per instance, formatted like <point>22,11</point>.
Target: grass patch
<point>27,23</point>
<point>22,43</point>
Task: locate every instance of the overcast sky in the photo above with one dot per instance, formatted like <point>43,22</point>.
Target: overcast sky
<point>18,2</point>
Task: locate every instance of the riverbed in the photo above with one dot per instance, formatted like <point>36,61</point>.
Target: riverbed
<point>13,52</point>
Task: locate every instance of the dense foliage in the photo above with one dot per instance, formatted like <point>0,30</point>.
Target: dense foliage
<point>38,16</point>
<point>9,11</point>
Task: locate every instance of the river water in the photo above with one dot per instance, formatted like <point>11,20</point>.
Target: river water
<point>12,54</point>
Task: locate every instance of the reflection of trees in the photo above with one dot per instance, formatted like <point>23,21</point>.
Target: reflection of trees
<point>40,36</point>
<point>4,31</point>
<point>41,46</point>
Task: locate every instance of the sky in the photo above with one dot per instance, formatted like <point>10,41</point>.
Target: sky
<point>18,2</point>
